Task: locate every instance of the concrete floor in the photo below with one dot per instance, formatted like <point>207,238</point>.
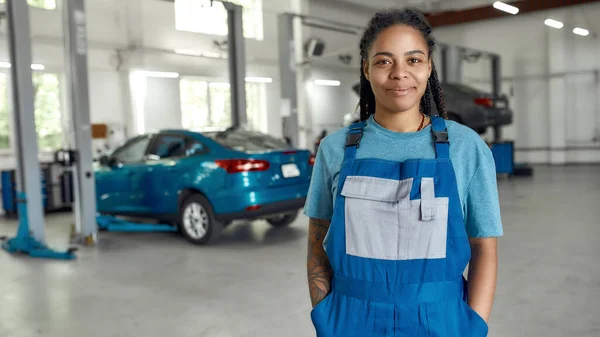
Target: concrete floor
<point>253,283</point>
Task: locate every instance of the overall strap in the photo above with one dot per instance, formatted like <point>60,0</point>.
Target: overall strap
<point>353,138</point>
<point>440,137</point>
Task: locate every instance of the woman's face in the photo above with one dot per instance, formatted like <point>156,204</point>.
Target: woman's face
<point>398,68</point>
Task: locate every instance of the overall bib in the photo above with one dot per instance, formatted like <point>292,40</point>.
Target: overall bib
<point>398,248</point>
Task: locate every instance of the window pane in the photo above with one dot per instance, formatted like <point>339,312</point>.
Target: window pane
<point>4,116</point>
<point>199,16</point>
<point>252,106</point>
<point>220,105</point>
<point>43,4</point>
<point>194,104</point>
<point>48,117</point>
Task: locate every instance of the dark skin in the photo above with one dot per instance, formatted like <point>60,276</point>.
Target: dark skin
<point>318,266</point>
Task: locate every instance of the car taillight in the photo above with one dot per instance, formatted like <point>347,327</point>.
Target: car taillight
<point>311,160</point>
<point>487,102</point>
<point>243,165</point>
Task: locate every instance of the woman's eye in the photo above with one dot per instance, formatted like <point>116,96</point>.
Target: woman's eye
<point>382,62</point>
<point>414,60</point>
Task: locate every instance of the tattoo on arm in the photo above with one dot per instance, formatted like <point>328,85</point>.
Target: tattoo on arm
<point>318,267</point>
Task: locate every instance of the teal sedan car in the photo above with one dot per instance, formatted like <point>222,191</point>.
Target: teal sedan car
<point>201,182</point>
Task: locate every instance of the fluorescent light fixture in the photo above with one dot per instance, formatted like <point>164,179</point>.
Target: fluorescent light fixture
<point>159,74</point>
<point>506,7</point>
<point>581,31</point>
<point>34,66</point>
<point>553,23</point>
<point>259,79</point>
<point>329,83</point>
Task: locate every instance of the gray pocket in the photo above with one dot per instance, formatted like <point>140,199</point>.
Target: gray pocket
<point>383,223</point>
<point>371,215</point>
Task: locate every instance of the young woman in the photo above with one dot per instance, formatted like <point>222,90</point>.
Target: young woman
<point>401,202</point>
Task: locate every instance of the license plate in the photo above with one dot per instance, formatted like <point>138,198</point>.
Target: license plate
<point>500,105</point>
<point>290,170</point>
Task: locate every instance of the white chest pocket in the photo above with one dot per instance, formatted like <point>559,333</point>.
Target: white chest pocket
<point>383,223</point>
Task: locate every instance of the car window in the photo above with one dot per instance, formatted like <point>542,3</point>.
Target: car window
<point>169,146</point>
<point>194,147</point>
<point>133,151</point>
<point>243,140</point>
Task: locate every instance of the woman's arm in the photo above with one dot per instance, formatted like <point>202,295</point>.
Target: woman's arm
<point>483,270</point>
<point>318,267</point>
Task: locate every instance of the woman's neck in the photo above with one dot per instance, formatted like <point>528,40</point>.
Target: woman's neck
<point>406,121</point>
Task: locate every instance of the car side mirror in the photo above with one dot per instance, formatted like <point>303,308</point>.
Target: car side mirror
<point>106,161</point>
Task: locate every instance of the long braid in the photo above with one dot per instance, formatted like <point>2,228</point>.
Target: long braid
<point>425,106</point>
<point>367,98</point>
<point>378,23</point>
<point>438,93</point>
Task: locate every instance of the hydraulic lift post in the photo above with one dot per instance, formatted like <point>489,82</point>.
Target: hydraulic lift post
<point>75,43</point>
<point>30,234</point>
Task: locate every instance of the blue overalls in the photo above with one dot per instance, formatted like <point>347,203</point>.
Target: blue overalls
<point>398,248</point>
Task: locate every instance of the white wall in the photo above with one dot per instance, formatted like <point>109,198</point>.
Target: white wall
<point>551,76</point>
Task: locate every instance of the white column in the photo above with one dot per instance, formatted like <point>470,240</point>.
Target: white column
<point>556,126</point>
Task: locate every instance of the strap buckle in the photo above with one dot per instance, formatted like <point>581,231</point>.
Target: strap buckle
<point>440,136</point>
<point>353,139</point>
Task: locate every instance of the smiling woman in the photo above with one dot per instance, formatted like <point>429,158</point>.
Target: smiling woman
<point>395,210</point>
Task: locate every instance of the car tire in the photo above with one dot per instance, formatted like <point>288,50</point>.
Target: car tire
<point>197,221</point>
<point>283,219</point>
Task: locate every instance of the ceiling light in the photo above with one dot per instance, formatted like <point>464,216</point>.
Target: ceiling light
<point>553,23</point>
<point>581,31</point>
<point>159,74</point>
<point>506,8</point>
<point>329,83</point>
<point>259,79</point>
<point>4,65</point>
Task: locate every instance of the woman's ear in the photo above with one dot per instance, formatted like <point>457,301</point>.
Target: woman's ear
<point>430,67</point>
<point>365,69</point>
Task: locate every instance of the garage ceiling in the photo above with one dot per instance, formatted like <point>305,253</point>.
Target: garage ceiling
<point>430,6</point>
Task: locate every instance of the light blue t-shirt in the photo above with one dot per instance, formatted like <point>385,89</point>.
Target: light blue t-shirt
<point>471,158</point>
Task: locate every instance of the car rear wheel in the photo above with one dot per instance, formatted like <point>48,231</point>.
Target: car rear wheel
<point>283,219</point>
<point>197,221</point>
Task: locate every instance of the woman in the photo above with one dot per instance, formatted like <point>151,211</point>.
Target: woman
<point>401,202</point>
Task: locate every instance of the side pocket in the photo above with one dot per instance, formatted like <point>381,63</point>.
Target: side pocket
<point>481,327</point>
<point>319,315</point>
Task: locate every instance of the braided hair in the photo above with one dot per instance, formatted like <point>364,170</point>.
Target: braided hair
<point>378,23</point>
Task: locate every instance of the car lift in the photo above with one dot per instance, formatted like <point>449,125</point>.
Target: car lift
<point>30,234</point>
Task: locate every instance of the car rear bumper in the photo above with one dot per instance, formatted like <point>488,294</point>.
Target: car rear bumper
<point>251,203</point>
<point>265,210</point>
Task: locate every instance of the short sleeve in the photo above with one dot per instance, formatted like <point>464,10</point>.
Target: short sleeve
<point>319,201</point>
<point>482,209</point>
